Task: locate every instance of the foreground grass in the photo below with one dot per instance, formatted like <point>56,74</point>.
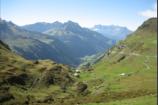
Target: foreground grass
<point>145,100</point>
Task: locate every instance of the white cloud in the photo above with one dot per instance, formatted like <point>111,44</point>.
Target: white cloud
<point>150,12</point>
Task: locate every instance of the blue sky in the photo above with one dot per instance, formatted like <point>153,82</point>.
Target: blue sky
<point>129,13</point>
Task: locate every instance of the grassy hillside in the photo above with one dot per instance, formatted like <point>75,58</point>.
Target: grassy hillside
<point>23,82</point>
<point>128,68</point>
<point>126,75</point>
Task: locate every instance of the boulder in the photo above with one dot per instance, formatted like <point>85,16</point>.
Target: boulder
<point>81,87</point>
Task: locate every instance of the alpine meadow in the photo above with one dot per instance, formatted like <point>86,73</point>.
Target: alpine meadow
<point>83,52</point>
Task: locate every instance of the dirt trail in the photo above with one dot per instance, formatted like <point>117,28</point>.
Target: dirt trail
<point>134,54</point>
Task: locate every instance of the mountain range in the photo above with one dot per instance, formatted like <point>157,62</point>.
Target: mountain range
<point>124,75</point>
<point>64,43</point>
<point>113,32</point>
<point>33,45</point>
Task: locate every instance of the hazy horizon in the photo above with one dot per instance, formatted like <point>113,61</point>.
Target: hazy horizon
<point>86,13</point>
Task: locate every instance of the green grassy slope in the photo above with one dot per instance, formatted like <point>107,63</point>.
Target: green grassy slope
<point>145,100</point>
<point>23,81</point>
<point>130,66</point>
<point>126,75</point>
